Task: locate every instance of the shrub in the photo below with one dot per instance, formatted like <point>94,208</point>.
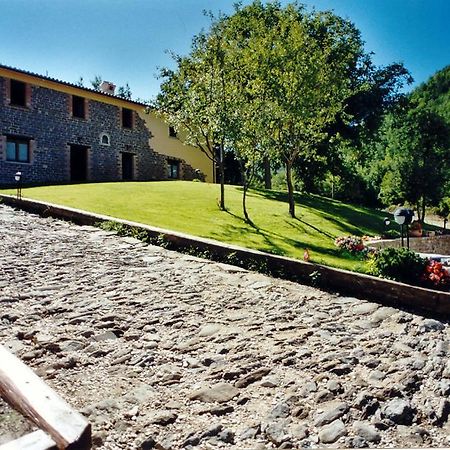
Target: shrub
<point>399,264</point>
<point>354,245</point>
<point>392,234</point>
<point>436,275</point>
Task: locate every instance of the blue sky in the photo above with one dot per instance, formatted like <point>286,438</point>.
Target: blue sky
<point>125,40</point>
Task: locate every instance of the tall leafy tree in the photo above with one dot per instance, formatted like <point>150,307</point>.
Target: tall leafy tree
<point>303,71</point>
<point>194,98</point>
<point>96,82</point>
<point>435,93</point>
<point>443,210</point>
<point>416,159</point>
<point>266,79</point>
<point>124,91</point>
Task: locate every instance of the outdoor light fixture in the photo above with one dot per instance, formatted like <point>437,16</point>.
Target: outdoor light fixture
<point>404,216</point>
<point>18,178</point>
<point>387,221</point>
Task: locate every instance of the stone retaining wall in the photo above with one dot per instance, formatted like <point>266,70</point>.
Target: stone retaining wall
<point>432,244</point>
<point>428,301</point>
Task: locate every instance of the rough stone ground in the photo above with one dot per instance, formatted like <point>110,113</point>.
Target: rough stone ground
<point>161,350</point>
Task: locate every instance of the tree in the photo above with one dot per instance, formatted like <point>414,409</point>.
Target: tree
<point>435,93</point>
<point>96,82</point>
<point>344,156</point>
<point>415,166</point>
<point>124,91</point>
<point>194,98</point>
<point>266,78</point>
<point>303,73</point>
<point>443,210</point>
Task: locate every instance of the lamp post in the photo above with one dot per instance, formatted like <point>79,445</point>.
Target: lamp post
<point>18,178</point>
<point>404,216</point>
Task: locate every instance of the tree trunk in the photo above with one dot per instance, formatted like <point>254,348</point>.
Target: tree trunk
<point>423,212</point>
<point>245,184</point>
<point>267,173</point>
<point>290,189</point>
<point>244,203</point>
<point>222,179</point>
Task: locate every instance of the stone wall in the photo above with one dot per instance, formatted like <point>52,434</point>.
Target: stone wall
<point>433,244</point>
<point>49,124</point>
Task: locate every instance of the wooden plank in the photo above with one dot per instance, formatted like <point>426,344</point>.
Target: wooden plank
<point>37,440</point>
<point>28,394</point>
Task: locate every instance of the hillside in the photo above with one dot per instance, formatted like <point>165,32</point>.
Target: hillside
<point>192,208</point>
<point>435,93</point>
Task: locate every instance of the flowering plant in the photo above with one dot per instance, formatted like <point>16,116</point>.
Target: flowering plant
<point>354,245</point>
<point>436,274</point>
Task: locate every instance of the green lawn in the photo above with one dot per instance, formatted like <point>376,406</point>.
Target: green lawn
<point>193,208</point>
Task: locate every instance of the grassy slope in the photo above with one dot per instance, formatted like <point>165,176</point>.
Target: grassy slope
<point>192,208</point>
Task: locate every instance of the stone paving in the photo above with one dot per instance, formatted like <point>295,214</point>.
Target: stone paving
<point>168,351</point>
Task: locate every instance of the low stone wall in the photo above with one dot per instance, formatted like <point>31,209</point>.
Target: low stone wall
<point>428,301</point>
<point>432,244</point>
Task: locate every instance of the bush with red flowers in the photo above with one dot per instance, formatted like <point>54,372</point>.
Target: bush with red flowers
<point>436,275</point>
<point>354,246</point>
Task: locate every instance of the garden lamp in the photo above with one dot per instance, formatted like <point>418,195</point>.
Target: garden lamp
<point>404,216</point>
<point>18,178</point>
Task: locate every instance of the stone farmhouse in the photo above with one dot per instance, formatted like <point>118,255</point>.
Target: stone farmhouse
<point>57,132</point>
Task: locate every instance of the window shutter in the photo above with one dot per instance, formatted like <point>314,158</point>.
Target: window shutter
<point>3,147</point>
<point>28,90</point>
<point>32,149</point>
<point>8,91</point>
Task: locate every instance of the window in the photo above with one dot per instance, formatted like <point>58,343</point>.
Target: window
<point>172,132</point>
<point>127,118</point>
<point>78,107</point>
<point>174,167</point>
<point>18,149</point>
<point>104,139</point>
<point>18,93</point>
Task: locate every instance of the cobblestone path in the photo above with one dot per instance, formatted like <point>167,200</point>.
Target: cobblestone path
<point>167,351</point>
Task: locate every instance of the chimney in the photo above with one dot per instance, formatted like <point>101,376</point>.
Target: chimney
<point>107,87</point>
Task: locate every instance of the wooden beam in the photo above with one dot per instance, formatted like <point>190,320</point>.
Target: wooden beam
<point>29,395</point>
<point>37,440</point>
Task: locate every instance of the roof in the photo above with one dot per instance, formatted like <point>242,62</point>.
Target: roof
<point>66,83</point>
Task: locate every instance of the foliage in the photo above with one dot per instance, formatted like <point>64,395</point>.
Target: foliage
<point>124,230</point>
<point>96,82</point>
<point>315,278</point>
<point>391,234</point>
<point>435,93</point>
<point>300,62</point>
<point>344,158</point>
<point>399,264</point>
<point>436,275</point>
<point>195,97</point>
<point>443,210</point>
<point>415,165</point>
<point>124,91</point>
<point>267,82</point>
<point>354,245</point>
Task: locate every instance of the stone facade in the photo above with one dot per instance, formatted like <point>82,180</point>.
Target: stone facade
<point>432,244</point>
<point>46,122</point>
